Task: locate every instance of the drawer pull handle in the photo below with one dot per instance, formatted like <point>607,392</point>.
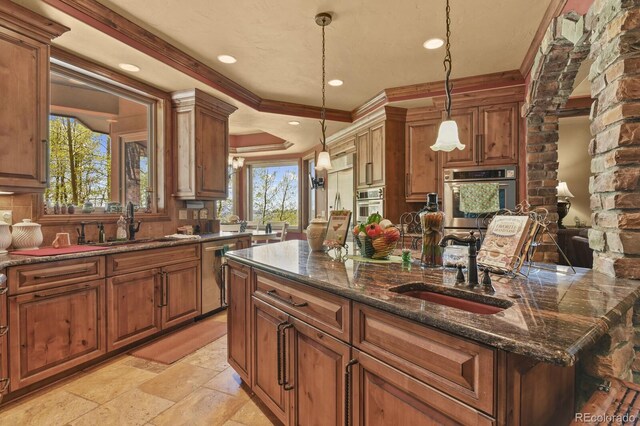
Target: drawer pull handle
<point>285,383</point>
<point>289,301</point>
<point>279,353</point>
<point>61,274</point>
<point>5,386</point>
<point>3,330</point>
<point>347,390</point>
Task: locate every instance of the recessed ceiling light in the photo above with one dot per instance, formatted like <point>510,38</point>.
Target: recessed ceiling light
<point>129,67</point>
<point>294,123</point>
<point>433,43</point>
<point>335,83</point>
<point>6,193</point>
<point>227,59</point>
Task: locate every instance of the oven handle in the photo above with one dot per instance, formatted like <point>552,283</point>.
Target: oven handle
<point>457,185</point>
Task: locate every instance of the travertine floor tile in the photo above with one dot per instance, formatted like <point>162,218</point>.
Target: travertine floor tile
<point>218,344</point>
<point>252,415</point>
<point>203,407</point>
<point>107,383</point>
<point>209,357</point>
<point>177,381</point>
<point>228,381</point>
<point>132,408</point>
<point>143,364</point>
<point>55,408</point>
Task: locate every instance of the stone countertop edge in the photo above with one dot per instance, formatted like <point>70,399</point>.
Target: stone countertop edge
<point>9,260</point>
<point>562,357</point>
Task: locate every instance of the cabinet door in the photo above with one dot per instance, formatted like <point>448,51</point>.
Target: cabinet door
<point>4,347</point>
<point>212,150</point>
<point>422,163</point>
<point>54,330</point>
<point>363,153</point>
<point>317,376</point>
<point>269,360</point>
<point>499,130</point>
<point>24,67</point>
<point>467,121</point>
<point>181,293</point>
<point>133,307</point>
<point>377,155</point>
<point>238,317</point>
<point>383,395</point>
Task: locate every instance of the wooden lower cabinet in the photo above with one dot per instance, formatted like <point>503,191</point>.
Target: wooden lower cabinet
<point>133,307</point>
<point>239,279</point>
<point>181,293</point>
<point>54,330</point>
<point>383,395</point>
<point>4,343</point>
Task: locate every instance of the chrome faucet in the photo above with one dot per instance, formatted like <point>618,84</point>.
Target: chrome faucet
<point>471,241</point>
<point>131,221</point>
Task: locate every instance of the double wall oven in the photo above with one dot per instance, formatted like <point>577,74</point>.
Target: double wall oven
<point>369,201</point>
<point>503,176</point>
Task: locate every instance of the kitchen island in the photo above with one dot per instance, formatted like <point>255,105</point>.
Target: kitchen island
<point>337,340</point>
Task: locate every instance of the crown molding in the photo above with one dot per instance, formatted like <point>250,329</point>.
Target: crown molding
<point>261,148</point>
<point>23,20</point>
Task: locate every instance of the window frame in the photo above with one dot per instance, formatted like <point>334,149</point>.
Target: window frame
<point>159,128</point>
<point>248,167</point>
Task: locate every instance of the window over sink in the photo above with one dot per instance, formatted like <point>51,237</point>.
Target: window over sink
<point>103,145</point>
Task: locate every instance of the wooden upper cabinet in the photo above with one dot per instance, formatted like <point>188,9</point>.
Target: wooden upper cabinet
<point>377,155</point>
<point>499,129</point>
<point>467,121</point>
<point>370,150</point>
<point>363,149</point>
<point>421,162</point>
<point>202,130</point>
<point>24,109</point>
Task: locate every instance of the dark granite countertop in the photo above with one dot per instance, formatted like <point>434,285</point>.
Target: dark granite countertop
<point>8,260</point>
<point>553,317</point>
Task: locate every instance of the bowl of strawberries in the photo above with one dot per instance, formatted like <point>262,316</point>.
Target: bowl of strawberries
<point>376,238</point>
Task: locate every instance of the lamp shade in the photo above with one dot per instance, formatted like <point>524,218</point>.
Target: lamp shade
<point>448,138</point>
<point>324,161</point>
<point>563,190</point>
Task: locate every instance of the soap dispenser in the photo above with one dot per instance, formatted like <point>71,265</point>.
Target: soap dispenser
<point>121,232</point>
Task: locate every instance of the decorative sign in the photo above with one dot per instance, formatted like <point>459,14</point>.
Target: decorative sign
<point>337,228</point>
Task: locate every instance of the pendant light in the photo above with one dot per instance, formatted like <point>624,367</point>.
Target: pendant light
<point>448,138</point>
<point>324,160</point>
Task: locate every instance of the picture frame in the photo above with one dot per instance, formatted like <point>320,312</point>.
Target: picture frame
<point>338,228</point>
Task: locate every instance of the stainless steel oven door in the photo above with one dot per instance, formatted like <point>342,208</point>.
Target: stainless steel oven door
<point>454,218</point>
<point>366,208</point>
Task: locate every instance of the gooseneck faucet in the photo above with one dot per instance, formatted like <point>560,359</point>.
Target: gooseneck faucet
<point>131,221</point>
<point>471,241</point>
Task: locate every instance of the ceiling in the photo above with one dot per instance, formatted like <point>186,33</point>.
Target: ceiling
<point>278,48</point>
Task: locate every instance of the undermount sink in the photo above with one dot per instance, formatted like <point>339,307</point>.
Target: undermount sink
<point>484,305</point>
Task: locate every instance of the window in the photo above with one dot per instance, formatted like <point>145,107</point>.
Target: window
<point>102,144</point>
<point>227,207</point>
<point>274,193</point>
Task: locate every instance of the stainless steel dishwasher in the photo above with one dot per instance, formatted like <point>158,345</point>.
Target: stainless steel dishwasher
<point>213,293</point>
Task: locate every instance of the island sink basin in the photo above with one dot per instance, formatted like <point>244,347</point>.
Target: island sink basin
<point>486,305</point>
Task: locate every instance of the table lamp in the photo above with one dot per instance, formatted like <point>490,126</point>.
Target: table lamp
<point>563,202</point>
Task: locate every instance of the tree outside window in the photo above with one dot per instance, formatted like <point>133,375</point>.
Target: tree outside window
<point>274,193</point>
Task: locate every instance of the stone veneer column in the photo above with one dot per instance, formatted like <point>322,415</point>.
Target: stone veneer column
<point>615,147</point>
<point>562,50</point>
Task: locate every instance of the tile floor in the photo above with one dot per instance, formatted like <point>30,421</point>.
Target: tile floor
<point>199,389</point>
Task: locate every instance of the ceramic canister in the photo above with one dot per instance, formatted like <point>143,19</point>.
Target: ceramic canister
<point>5,237</point>
<point>316,231</point>
<point>27,235</point>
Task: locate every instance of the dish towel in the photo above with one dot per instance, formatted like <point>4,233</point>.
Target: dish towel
<point>479,197</point>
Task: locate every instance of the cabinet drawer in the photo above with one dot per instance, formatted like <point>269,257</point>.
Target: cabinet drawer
<point>459,367</point>
<point>324,310</point>
<point>147,259</point>
<point>41,276</point>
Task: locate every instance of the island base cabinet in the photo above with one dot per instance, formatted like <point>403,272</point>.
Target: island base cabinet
<point>54,330</point>
<point>384,396</point>
<point>238,318</point>
<point>133,307</point>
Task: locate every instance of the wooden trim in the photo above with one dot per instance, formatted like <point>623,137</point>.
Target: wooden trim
<point>373,104</point>
<point>29,23</point>
<point>554,10</point>
<point>260,148</point>
<point>117,26</point>
<point>576,107</point>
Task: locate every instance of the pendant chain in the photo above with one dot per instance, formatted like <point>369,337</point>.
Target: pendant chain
<point>447,64</point>
<point>323,112</point>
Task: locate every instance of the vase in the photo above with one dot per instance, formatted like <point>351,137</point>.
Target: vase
<point>5,237</point>
<point>432,223</point>
<point>316,231</point>
<point>26,235</point>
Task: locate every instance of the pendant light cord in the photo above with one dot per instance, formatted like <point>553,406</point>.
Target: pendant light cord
<point>447,64</point>
<point>323,112</point>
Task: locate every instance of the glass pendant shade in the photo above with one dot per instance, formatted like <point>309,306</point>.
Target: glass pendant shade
<point>448,138</point>
<point>324,161</point>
